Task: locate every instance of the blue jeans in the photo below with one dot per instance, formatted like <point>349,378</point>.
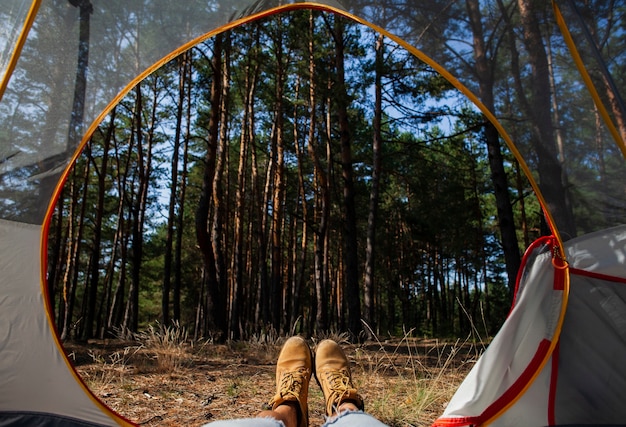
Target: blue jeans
<point>345,419</point>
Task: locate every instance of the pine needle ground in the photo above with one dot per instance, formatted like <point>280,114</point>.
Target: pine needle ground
<point>405,382</point>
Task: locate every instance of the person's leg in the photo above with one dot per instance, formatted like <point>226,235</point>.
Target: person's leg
<point>247,422</point>
<point>293,373</point>
<point>286,412</point>
<point>344,405</point>
<point>353,419</point>
<point>289,406</point>
<point>285,415</point>
<point>332,372</point>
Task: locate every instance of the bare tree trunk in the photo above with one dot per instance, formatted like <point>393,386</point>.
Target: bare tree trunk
<point>350,252</point>
<point>117,292</point>
<point>254,267</point>
<point>57,249</point>
<point>131,317</point>
<point>552,178</point>
<point>171,220</point>
<point>110,297</point>
<point>92,287</point>
<point>237,261</point>
<point>116,311</point>
<point>74,136</point>
<point>277,283</point>
<point>262,312</point>
<point>321,197</point>
<point>49,181</point>
<point>300,261</point>
<point>215,309</point>
<point>75,236</point>
<point>144,168</point>
<point>504,207</point>
<point>369,291</point>
<point>220,183</point>
<point>289,263</point>
<point>180,219</point>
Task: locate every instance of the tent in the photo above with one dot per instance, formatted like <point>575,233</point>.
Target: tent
<point>546,369</point>
<point>558,358</point>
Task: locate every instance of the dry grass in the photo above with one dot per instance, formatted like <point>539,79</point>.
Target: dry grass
<point>160,378</point>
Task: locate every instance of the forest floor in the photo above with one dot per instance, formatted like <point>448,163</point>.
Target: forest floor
<point>159,382</point>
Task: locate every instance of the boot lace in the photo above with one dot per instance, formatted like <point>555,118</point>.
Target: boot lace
<point>291,384</point>
<point>340,388</point>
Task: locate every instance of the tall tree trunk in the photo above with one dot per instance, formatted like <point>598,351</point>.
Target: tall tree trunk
<point>558,133</point>
<point>276,282</point>
<point>369,286</point>
<point>110,297</point>
<point>220,184</point>
<point>94,277</point>
<point>262,311</point>
<point>78,104</point>
<point>237,261</point>
<point>75,236</point>
<point>237,267</point>
<point>350,252</point>
<point>171,219</point>
<point>321,196</point>
<point>300,260</point>
<point>116,297</point>
<point>256,269</point>
<point>56,252</point>
<point>180,226</point>
<point>215,309</point>
<point>552,179</point>
<point>116,312</point>
<point>178,247</point>
<point>144,167</point>
<point>504,207</point>
<point>75,128</point>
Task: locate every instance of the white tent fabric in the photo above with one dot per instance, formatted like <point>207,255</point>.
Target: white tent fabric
<point>583,380</point>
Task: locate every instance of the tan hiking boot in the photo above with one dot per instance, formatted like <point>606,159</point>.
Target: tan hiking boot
<point>293,373</point>
<point>332,372</point>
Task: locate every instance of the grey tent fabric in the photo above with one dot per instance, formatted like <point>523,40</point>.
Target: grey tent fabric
<point>34,373</point>
<point>590,385</point>
<point>41,420</point>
